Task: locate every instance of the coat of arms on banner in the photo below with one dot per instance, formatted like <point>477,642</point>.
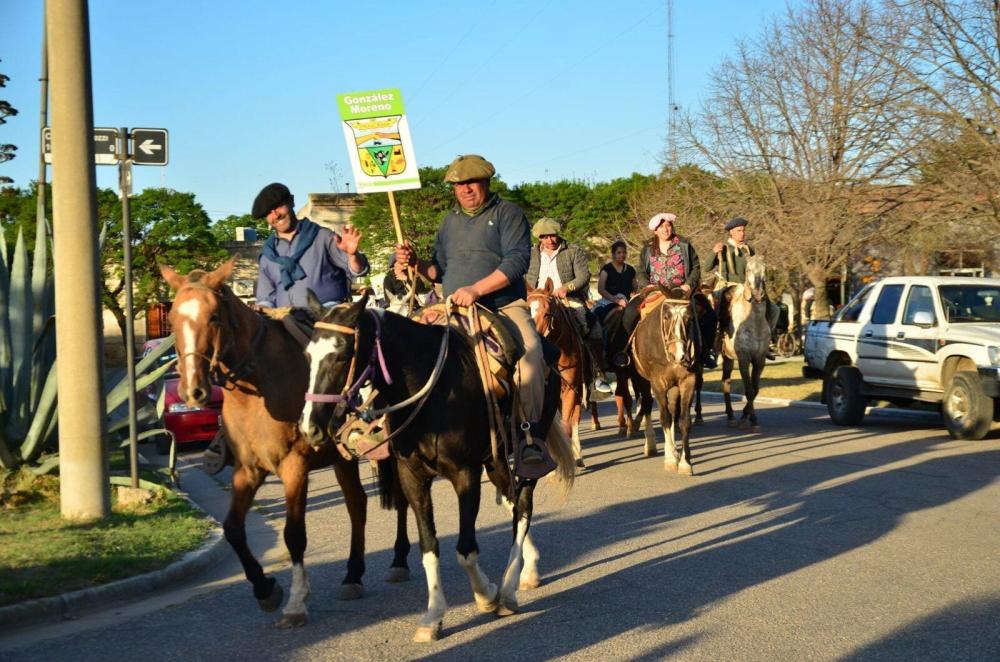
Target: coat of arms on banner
<point>380,147</point>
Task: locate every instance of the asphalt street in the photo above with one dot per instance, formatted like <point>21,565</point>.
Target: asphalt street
<point>806,541</point>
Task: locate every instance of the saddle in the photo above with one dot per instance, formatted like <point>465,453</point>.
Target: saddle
<point>653,296</point>
<point>297,321</point>
<point>503,348</point>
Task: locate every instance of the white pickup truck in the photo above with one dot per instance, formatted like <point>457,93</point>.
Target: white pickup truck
<point>913,338</point>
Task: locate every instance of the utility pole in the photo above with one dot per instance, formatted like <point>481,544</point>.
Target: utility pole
<point>43,122</point>
<point>671,102</point>
<point>83,470</point>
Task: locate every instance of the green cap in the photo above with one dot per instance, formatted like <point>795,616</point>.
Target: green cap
<point>545,226</point>
<point>468,167</point>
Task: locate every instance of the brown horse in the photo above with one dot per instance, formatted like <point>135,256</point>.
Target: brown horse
<point>665,354</point>
<point>746,341</point>
<point>555,322</point>
<point>264,374</point>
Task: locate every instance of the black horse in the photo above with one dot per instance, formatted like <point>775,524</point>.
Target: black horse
<point>439,421</point>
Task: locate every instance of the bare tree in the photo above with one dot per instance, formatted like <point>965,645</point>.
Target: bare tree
<point>806,125</point>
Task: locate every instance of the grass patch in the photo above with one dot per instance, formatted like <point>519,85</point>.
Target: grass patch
<point>779,380</point>
<point>42,554</point>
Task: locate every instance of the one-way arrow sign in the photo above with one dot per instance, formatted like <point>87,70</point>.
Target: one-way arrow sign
<point>149,147</point>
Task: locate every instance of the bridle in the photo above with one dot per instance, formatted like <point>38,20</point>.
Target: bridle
<point>227,378</point>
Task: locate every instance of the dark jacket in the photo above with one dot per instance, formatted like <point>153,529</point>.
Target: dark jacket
<point>731,264</point>
<point>469,248</point>
<point>692,268</point>
<point>572,265</point>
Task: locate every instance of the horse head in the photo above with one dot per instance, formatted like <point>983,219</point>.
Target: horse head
<point>676,322</point>
<point>197,317</point>
<point>335,352</point>
<point>542,305</point>
<point>754,283</point>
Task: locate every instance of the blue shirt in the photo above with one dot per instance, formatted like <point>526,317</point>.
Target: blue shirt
<point>327,272</point>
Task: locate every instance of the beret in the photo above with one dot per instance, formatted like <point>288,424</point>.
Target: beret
<point>544,226</point>
<point>469,167</point>
<point>737,222</point>
<point>660,218</point>
<point>271,196</point>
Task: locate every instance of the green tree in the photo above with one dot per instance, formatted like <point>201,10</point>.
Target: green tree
<point>168,227</point>
<point>6,110</point>
<point>225,229</point>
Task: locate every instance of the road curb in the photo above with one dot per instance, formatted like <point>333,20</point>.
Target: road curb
<point>69,606</point>
<point>890,412</point>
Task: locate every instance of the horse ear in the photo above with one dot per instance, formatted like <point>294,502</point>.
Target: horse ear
<point>548,286</point>
<point>315,305</point>
<point>216,278</point>
<point>174,279</point>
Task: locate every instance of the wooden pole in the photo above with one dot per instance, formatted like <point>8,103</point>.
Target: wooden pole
<point>395,218</point>
<point>411,269</point>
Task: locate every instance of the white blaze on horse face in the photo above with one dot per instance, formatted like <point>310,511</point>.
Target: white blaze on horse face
<point>189,312</point>
<point>534,306</point>
<point>317,350</point>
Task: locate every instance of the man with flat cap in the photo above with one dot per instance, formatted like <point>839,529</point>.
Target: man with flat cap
<point>301,255</point>
<point>730,262</point>
<point>481,255</point>
<point>566,265</point>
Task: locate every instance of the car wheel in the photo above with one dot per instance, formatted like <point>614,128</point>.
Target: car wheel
<point>844,403</point>
<point>967,410</point>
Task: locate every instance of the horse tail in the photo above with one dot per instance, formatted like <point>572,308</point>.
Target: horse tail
<point>387,479</point>
<point>561,449</point>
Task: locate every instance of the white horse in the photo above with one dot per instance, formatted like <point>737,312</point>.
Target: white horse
<point>746,338</point>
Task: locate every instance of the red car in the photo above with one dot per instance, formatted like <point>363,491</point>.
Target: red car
<point>187,424</point>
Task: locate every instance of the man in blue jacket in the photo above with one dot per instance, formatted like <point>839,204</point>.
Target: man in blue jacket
<point>301,255</point>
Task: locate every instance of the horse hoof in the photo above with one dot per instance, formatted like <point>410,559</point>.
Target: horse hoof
<point>289,621</point>
<point>754,428</point>
<point>595,427</point>
<point>732,422</point>
<point>427,633</point>
<point>580,464</point>
<point>397,575</point>
<point>350,592</point>
<point>698,420</point>
<point>623,432</point>
<point>529,583</point>
<point>685,470</point>
<point>507,608</point>
<point>273,601</point>
<point>488,605</point>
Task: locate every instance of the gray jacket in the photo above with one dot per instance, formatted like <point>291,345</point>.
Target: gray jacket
<point>572,265</point>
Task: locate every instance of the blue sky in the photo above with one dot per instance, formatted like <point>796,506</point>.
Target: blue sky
<point>546,89</point>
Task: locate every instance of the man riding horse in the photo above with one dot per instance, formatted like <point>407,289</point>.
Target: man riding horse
<point>566,266</point>
<point>730,262</point>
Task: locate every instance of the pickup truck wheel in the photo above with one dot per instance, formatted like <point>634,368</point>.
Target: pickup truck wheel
<point>967,410</point>
<point>844,403</point>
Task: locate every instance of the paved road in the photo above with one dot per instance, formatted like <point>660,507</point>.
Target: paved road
<point>807,541</point>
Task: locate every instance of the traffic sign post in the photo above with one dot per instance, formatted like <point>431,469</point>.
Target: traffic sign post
<point>149,147</point>
<point>105,146</point>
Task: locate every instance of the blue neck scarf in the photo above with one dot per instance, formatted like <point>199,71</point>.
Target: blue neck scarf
<point>290,269</point>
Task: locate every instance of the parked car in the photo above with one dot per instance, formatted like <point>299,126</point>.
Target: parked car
<point>913,338</point>
<point>187,424</point>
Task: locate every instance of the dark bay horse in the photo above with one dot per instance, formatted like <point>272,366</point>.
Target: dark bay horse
<point>627,379</point>
<point>264,374</point>
<point>556,323</point>
<point>665,354</point>
<point>428,379</point>
<point>747,336</point>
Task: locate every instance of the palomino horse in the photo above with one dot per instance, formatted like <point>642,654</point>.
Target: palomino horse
<point>555,322</point>
<point>617,339</point>
<point>429,387</point>
<point>264,374</point>
<point>747,336</point>
<point>665,354</point>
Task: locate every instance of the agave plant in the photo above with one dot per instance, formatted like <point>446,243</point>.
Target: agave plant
<point>28,386</point>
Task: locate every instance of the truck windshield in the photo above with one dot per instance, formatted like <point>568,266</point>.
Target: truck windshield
<point>970,303</point>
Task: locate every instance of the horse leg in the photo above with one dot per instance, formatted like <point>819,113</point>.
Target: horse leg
<point>349,477</point>
<point>399,571</point>
<point>668,421</point>
<point>684,423</point>
<point>529,578</point>
<point>645,398</point>
<point>294,474</point>
<point>756,369</point>
<point>418,494</point>
<point>699,382</point>
<point>513,576</point>
<point>575,413</point>
<point>727,388</point>
<point>595,420</point>
<point>467,486</point>
<point>748,394</point>
<point>245,485</point>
